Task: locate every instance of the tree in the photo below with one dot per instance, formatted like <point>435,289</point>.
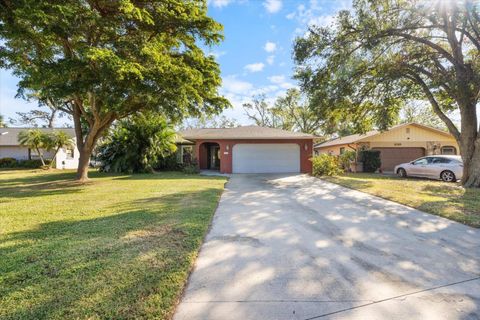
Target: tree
<point>48,113</point>
<point>136,144</point>
<point>290,112</point>
<point>388,52</point>
<point>420,113</point>
<point>34,139</point>
<point>2,122</point>
<point>106,60</point>
<point>209,122</point>
<point>55,141</point>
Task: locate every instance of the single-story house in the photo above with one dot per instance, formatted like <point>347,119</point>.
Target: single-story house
<point>247,149</point>
<point>66,158</point>
<point>402,143</point>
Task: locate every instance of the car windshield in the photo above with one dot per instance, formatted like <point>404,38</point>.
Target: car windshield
<point>422,161</point>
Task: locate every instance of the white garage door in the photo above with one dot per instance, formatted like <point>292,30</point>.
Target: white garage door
<point>266,158</point>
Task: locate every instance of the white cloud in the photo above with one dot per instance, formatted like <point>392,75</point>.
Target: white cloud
<point>217,54</point>
<point>270,46</point>
<point>277,79</point>
<point>272,6</point>
<point>254,67</point>
<point>271,59</point>
<point>220,3</point>
<point>233,85</point>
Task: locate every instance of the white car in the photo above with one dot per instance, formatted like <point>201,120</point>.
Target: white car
<point>446,168</point>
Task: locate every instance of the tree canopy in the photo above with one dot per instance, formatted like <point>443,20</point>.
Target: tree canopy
<point>385,53</point>
<point>105,60</point>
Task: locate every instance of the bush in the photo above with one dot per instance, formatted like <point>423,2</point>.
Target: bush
<point>371,160</point>
<point>346,159</point>
<point>8,163</point>
<point>168,163</point>
<point>191,168</point>
<point>325,165</point>
<point>28,164</point>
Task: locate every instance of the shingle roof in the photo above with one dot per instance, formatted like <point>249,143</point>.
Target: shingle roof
<point>357,137</point>
<point>244,132</point>
<point>9,136</point>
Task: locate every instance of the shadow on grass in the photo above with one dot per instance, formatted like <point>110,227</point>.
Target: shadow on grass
<point>131,264</point>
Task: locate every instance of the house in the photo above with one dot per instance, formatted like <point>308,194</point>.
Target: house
<point>247,149</point>
<point>402,143</point>
<point>67,158</point>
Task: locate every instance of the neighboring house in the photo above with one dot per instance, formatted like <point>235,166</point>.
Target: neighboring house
<point>11,148</point>
<point>402,143</point>
<point>247,149</point>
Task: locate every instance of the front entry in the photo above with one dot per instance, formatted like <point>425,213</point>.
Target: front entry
<point>213,157</point>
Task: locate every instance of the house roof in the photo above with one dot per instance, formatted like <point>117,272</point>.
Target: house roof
<point>9,136</point>
<point>354,138</point>
<point>244,132</point>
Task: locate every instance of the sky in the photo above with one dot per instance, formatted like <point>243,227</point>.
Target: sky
<point>255,57</point>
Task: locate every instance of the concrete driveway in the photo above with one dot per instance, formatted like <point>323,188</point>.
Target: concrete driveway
<point>296,247</point>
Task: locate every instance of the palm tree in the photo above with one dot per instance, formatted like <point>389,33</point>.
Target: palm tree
<point>56,141</point>
<point>34,139</point>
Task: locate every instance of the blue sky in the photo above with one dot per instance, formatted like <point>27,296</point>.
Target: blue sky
<point>256,56</point>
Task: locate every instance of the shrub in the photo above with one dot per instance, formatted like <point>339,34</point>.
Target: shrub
<point>325,165</point>
<point>190,168</point>
<point>8,163</point>
<point>346,159</point>
<point>168,163</point>
<point>371,160</point>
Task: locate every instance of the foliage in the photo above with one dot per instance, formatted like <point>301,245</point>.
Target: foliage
<point>8,162</point>
<point>325,165</point>
<point>290,112</point>
<point>123,245</point>
<point>209,122</point>
<point>168,163</point>
<point>30,164</point>
<point>386,53</point>
<point>34,139</point>
<point>136,144</point>
<point>55,141</point>
<point>2,122</point>
<point>423,114</point>
<point>346,158</point>
<point>371,160</point>
<point>191,168</point>
<point>106,60</point>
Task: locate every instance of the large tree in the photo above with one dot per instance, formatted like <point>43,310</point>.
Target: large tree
<point>386,52</point>
<point>106,60</point>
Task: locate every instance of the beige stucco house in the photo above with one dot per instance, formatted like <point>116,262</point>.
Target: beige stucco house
<point>402,143</point>
<point>66,158</point>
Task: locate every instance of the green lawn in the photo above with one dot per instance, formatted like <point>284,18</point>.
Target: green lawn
<point>448,200</point>
<point>119,247</point>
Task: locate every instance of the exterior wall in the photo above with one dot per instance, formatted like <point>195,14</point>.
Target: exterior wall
<point>62,162</point>
<point>335,150</point>
<point>226,147</point>
<point>16,152</point>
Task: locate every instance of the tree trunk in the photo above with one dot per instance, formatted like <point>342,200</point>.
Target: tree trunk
<point>471,166</point>
<point>40,156</point>
<point>83,162</point>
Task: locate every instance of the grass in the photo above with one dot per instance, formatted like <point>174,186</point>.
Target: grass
<point>447,200</point>
<point>119,247</point>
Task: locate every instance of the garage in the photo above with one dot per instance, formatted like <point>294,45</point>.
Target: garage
<point>266,158</point>
<point>391,157</point>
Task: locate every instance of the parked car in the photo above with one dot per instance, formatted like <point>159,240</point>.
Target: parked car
<point>446,168</point>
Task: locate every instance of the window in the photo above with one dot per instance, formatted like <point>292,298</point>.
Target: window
<point>449,150</point>
<point>422,161</point>
<point>186,154</point>
<point>70,153</point>
<point>342,150</point>
<point>439,160</point>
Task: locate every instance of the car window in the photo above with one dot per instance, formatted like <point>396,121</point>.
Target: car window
<point>440,160</point>
<point>421,161</point>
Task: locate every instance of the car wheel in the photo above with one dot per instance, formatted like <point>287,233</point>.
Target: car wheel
<point>448,176</point>
<point>402,173</point>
